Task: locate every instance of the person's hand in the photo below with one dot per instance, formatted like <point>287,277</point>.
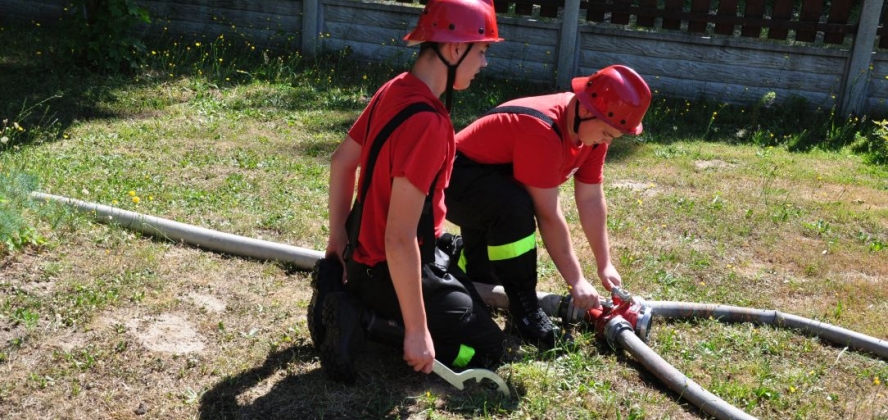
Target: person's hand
<point>610,278</point>
<point>419,351</point>
<point>584,295</point>
<point>335,248</point>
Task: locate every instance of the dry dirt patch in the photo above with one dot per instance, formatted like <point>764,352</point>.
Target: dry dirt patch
<point>701,165</point>
<point>167,333</point>
<point>647,189</point>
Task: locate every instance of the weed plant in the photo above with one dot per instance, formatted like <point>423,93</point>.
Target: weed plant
<point>772,205</point>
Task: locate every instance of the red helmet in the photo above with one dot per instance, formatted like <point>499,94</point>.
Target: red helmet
<point>617,95</point>
<point>455,21</point>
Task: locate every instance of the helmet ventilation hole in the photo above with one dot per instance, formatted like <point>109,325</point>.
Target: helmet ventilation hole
<point>610,114</point>
<point>452,26</point>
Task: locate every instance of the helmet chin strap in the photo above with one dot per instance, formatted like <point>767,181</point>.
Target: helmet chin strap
<point>577,119</point>
<point>451,73</point>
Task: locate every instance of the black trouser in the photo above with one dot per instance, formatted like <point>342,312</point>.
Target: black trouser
<point>498,226</point>
<point>462,330</point>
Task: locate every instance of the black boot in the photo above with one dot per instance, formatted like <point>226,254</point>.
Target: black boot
<point>344,336</point>
<point>383,330</point>
<point>533,325</point>
<point>326,278</point>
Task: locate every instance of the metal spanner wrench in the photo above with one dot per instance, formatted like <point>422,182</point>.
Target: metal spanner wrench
<point>457,379</point>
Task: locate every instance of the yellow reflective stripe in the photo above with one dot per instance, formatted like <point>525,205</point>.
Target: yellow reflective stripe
<point>464,356</point>
<point>512,250</point>
<point>462,260</point>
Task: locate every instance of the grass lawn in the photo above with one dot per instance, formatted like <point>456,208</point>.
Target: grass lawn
<point>770,206</point>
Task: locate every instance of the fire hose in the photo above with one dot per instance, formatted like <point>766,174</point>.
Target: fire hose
<point>623,320</point>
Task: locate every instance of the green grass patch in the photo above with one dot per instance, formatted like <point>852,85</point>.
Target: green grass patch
<point>771,205</point>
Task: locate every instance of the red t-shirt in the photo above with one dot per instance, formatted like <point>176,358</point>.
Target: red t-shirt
<point>539,157</point>
<point>419,149</point>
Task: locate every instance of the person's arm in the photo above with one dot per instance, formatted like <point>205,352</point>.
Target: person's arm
<point>402,254</point>
<point>556,236</point>
<point>343,166</point>
<point>592,207</point>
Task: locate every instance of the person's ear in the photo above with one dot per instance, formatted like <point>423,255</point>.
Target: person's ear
<point>456,49</point>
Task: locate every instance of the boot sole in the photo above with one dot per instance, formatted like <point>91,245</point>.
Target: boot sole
<point>337,365</point>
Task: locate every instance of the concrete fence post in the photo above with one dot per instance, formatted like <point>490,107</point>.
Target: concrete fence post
<point>567,47</point>
<point>311,18</point>
<point>856,76</point>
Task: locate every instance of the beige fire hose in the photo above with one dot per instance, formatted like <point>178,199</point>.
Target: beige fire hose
<point>619,332</point>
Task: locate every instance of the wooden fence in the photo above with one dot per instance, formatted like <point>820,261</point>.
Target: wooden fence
<point>829,53</point>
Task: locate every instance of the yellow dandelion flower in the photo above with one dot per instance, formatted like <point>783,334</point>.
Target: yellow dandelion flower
<point>136,199</point>
<point>792,389</point>
<point>197,44</point>
<point>114,202</point>
<point>132,193</point>
<point>702,283</point>
<point>876,381</point>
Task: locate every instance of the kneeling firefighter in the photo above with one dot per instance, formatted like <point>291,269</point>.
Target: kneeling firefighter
<point>395,285</point>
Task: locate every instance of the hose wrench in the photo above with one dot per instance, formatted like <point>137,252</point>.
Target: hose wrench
<point>458,379</point>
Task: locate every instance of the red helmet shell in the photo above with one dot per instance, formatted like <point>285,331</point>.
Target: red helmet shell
<point>456,21</point>
<point>617,95</point>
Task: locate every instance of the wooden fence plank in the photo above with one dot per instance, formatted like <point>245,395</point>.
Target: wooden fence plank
<point>622,18</point>
<point>549,10</point>
<point>754,9</point>
<point>839,12</point>
<point>782,11</point>
<point>698,25</point>
<point>524,8</point>
<point>647,20</point>
<point>595,16</point>
<point>883,29</point>
<point>675,6</point>
<point>726,8</point>
<point>811,11</point>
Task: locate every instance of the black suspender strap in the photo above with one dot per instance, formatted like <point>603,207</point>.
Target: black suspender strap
<point>526,111</point>
<point>383,136</point>
<point>353,223</point>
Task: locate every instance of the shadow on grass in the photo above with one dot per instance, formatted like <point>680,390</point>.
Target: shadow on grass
<point>36,96</point>
<point>385,388</point>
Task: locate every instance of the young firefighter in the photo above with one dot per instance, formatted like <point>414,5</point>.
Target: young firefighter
<point>391,267</point>
<point>506,176</point>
